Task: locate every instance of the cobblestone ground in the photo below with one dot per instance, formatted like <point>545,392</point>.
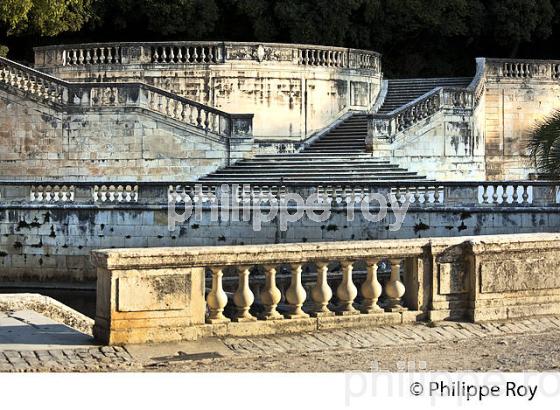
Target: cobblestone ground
<point>67,360</point>
<point>532,344</point>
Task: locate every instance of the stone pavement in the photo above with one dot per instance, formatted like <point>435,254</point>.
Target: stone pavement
<point>387,336</point>
<point>29,330</point>
<point>300,352</point>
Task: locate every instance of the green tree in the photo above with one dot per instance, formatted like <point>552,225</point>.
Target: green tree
<point>42,17</point>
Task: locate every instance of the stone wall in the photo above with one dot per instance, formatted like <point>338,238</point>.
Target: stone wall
<point>56,130</point>
<point>293,90</point>
<point>519,94</point>
<point>48,232</point>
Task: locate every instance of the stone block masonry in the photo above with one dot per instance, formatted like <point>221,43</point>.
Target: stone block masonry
<point>53,129</point>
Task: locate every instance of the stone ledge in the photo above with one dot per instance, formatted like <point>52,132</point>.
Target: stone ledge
<point>49,307</point>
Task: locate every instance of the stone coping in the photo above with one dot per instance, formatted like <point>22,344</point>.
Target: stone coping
<point>203,43</point>
<point>202,256</point>
<point>49,307</point>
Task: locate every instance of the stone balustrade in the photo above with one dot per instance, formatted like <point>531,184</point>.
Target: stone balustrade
<point>417,193</point>
<point>516,69</point>
<point>49,89</point>
<point>196,53</point>
<point>387,126</point>
<point>159,294</point>
<point>292,309</point>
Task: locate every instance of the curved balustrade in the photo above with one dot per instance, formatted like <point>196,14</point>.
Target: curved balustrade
<point>195,53</point>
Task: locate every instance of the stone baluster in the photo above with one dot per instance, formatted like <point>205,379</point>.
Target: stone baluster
<point>525,194</point>
<point>295,295</point>
<point>394,288</point>
<point>243,297</point>
<point>321,293</point>
<point>495,194</point>
<point>504,194</point>
<point>371,289</point>
<point>171,54</point>
<point>484,194</point>
<point>270,295</point>
<point>195,55</point>
<point>346,290</point>
<point>217,298</point>
<point>515,196</point>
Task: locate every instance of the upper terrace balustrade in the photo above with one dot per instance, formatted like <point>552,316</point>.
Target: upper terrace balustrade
<point>196,53</point>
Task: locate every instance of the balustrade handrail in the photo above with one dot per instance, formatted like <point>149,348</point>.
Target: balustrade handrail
<point>419,193</point>
<point>204,52</point>
<point>63,97</point>
<point>282,253</point>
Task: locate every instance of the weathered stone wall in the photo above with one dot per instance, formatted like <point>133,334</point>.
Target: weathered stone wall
<point>292,94</point>
<point>518,94</point>
<point>38,141</point>
<point>447,147</point>
<point>52,243</point>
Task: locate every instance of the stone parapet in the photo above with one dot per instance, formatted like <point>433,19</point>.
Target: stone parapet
<point>479,278</point>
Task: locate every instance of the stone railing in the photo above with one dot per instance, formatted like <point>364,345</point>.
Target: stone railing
<point>292,308</point>
<point>386,126</point>
<point>158,294</point>
<point>48,89</point>
<point>423,194</point>
<point>523,69</point>
<point>190,52</point>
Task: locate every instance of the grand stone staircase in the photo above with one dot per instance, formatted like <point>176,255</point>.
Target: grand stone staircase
<point>338,157</point>
<point>401,92</point>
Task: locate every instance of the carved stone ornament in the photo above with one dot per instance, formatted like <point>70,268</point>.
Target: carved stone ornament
<point>260,53</point>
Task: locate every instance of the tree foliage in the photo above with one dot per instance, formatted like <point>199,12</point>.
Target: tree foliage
<point>417,37</point>
<point>44,17</point>
<point>544,146</point>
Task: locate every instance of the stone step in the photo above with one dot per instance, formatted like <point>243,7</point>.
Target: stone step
<point>318,181</point>
<point>279,172</point>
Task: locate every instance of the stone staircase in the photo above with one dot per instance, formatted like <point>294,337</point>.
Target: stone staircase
<point>337,157</point>
<point>401,92</point>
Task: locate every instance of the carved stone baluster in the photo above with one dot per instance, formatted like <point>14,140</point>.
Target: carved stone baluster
<point>270,295</point>
<point>394,288</point>
<point>295,295</point>
<point>171,54</point>
<point>504,194</point>
<point>371,289</point>
<point>243,297</point>
<point>484,194</point>
<point>515,196</point>
<point>217,298</point>
<point>346,290</point>
<point>321,293</point>
<point>525,194</point>
<point>495,195</point>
